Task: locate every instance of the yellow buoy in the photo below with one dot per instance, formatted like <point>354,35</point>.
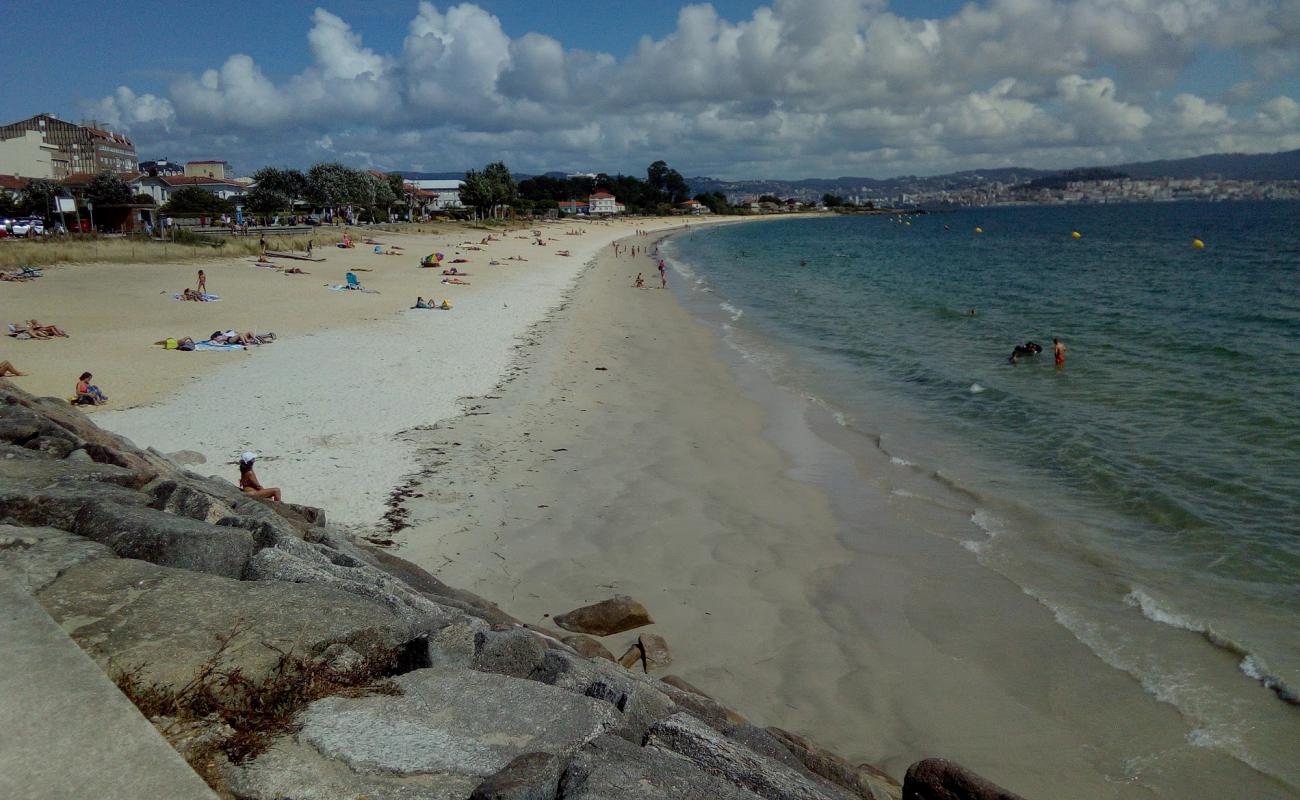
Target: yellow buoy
<point>978,229</point>
<point>1198,244</point>
<point>1076,235</point>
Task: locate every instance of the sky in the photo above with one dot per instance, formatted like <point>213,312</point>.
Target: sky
<point>779,90</point>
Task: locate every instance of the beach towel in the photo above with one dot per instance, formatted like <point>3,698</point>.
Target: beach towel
<point>208,346</point>
<point>211,298</point>
<point>345,288</point>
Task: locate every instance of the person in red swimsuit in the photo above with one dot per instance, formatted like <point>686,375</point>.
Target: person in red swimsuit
<point>1059,349</point>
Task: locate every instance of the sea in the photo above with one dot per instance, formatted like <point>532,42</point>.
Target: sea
<point>1146,491</point>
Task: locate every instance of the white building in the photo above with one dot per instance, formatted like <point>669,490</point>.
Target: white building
<point>603,203</point>
<point>162,187</point>
<point>441,194</point>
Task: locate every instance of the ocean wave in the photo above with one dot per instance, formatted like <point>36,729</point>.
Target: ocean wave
<point>1251,665</point>
<point>735,313</point>
<point>900,462</point>
<point>975,388</point>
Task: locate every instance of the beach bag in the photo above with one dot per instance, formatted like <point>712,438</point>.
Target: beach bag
<point>171,344</point>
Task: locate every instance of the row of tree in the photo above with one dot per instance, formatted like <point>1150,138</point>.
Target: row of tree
<point>494,189</point>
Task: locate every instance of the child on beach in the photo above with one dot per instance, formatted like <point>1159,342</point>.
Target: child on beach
<point>87,394</point>
<point>203,279</point>
<point>248,482</point>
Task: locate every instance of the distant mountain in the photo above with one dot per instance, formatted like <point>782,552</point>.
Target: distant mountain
<point>1228,166</point>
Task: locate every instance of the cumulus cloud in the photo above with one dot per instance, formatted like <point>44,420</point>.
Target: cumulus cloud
<point>800,87</point>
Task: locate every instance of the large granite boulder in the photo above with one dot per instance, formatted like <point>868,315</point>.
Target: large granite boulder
<point>615,615</point>
<point>864,781</point>
<point>610,768</point>
<point>941,779</point>
<point>453,721</point>
<point>532,776</point>
<point>133,531</point>
<point>721,756</point>
<point>127,613</point>
<point>34,557</point>
<point>292,769</point>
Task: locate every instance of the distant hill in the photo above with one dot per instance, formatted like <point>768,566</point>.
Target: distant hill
<point>1229,166</point>
<point>433,176</point>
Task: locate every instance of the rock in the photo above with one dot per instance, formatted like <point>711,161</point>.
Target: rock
<point>341,658</point>
<point>681,683</point>
<point>36,556</point>
<point>714,753</point>
<point>619,613</point>
<point>517,653</point>
<point>613,769</point>
<point>166,539</point>
<point>532,776</point>
<point>941,779</point>
<point>295,561</point>
<point>452,721</point>
<point>55,446</point>
<point>587,646</point>
<point>454,645</point>
<point>655,651</point>
<point>704,708</point>
<point>763,743</point>
<point>863,780</point>
<point>294,770</point>
<point>424,583</point>
<point>631,658</point>
<point>128,613</point>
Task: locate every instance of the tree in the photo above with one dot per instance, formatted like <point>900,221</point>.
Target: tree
<point>832,200</point>
<point>191,200</point>
<point>476,192</point>
<point>328,184</point>
<point>143,199</point>
<point>501,183</point>
<point>398,186</point>
<point>38,196</point>
<point>267,200</point>
<point>106,189</point>
<point>770,198</point>
<point>715,202</point>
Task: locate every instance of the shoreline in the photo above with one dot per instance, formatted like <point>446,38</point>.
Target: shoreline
<point>852,638</point>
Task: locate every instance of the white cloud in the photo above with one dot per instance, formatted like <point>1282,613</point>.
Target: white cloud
<point>800,87</point>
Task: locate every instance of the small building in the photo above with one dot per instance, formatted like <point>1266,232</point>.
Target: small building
<point>208,169</point>
<point>573,207</point>
<point>694,207</point>
<point>161,188</point>
<point>602,203</point>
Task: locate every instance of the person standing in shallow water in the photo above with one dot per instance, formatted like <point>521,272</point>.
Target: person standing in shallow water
<point>1058,348</point>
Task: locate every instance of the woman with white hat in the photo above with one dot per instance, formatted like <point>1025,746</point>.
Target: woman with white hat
<point>248,480</point>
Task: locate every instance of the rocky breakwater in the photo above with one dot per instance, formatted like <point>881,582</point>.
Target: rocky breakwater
<point>284,659</point>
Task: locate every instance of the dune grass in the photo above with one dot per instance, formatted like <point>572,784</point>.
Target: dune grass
<point>57,250</point>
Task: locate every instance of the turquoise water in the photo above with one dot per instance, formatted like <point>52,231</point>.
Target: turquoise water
<point>1156,475</point>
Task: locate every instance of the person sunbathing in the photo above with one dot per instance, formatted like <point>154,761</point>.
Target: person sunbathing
<point>233,337</point>
<point>9,370</point>
<point>248,483</point>
<point>452,271</point>
<point>87,393</point>
<point>419,303</point>
<point>561,252</point>
<point>457,281</point>
<point>191,294</point>
<point>295,271</point>
<point>39,331</point>
<point>640,281</point>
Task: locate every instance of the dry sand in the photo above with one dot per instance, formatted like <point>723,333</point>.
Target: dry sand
<point>350,370</point>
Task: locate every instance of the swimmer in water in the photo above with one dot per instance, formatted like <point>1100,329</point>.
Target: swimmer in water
<point>1058,348</point>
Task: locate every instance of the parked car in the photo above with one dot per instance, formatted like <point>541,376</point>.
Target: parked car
<point>27,227</point>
